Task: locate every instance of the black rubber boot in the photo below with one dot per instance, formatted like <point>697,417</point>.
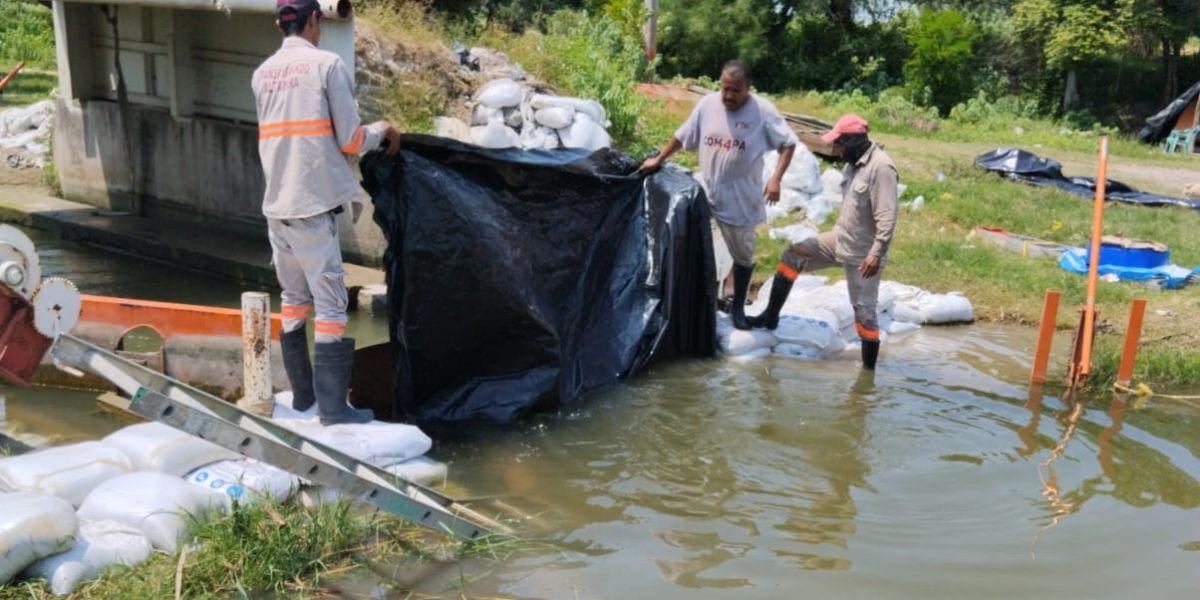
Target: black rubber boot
<point>769,319</point>
<point>294,345</point>
<point>332,362</point>
<point>741,285</point>
<point>870,353</point>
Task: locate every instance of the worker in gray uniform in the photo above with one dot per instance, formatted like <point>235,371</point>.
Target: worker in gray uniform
<point>859,241</point>
<point>308,125</point>
<point>733,129</point>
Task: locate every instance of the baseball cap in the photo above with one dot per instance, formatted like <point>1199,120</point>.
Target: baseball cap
<point>848,124</point>
<point>291,10</point>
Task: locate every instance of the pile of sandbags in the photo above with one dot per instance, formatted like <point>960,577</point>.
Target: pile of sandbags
<point>508,114</point>
<point>817,321</point>
<point>26,129</point>
<point>803,187</point>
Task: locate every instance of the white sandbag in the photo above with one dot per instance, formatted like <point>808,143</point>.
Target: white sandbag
<point>449,127</point>
<point>903,313</point>
<point>98,546</point>
<point>283,408</point>
<point>818,333</point>
<point>554,117</point>
<point>591,108</point>
<point>585,133</point>
<point>157,447</point>
<point>376,442</point>
<point>900,328</point>
<point>422,470</point>
<point>500,93</point>
<point>799,351</point>
<point>939,309</point>
<point>69,472</point>
<point>740,342</point>
<point>156,504</point>
<point>794,233</point>
<point>513,117</point>
<point>495,135</point>
<point>32,526</point>
<point>245,479</point>
<point>752,355</point>
<point>482,115</point>
<point>540,138</point>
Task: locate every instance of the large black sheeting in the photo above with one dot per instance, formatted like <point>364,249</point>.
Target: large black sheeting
<point>1030,168</point>
<point>518,280</point>
<point>1160,125</point>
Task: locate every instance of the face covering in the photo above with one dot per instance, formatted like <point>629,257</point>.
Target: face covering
<point>854,147</point>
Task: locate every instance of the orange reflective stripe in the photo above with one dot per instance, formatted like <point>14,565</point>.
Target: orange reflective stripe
<point>330,327</point>
<point>294,124</point>
<point>296,133</point>
<point>297,311</point>
<point>871,335</point>
<point>356,142</point>
<point>787,271</point>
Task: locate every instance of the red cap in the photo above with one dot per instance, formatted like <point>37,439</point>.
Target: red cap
<point>848,124</point>
<point>290,10</point>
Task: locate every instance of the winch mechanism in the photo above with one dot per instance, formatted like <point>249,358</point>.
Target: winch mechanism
<point>55,301</point>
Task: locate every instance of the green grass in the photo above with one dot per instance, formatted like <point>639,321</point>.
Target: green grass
<point>267,549</point>
<point>28,35</point>
<point>27,87</point>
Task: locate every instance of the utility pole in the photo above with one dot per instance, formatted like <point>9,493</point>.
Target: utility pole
<point>651,29</point>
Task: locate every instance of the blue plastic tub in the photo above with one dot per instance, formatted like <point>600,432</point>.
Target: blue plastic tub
<point>1137,258</point>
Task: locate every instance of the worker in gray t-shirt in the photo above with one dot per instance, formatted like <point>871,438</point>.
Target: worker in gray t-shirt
<point>732,130</point>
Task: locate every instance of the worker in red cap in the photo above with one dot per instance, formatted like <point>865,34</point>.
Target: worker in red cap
<point>733,130</point>
<point>308,125</point>
<point>859,241</point>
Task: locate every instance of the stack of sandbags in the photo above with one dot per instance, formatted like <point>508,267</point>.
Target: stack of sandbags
<point>98,546</point>
<point>802,186</point>
<point>156,505</point>
<point>508,114</point>
<point>817,321</point>
<point>395,447</point>
<point>27,128</point>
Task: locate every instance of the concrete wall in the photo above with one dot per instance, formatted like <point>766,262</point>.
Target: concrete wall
<point>187,147</point>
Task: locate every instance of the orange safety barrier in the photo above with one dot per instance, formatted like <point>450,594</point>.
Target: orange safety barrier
<point>1133,335</point>
<point>167,318</point>
<point>1041,354</point>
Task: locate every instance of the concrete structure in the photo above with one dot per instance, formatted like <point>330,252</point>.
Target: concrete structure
<point>185,144</point>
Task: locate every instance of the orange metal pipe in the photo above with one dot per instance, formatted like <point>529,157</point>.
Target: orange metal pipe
<point>1133,335</point>
<point>11,74</point>
<point>1089,308</point>
<point>1041,354</point>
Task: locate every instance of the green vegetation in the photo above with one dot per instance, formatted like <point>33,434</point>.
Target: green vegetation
<point>28,35</point>
<point>267,549</point>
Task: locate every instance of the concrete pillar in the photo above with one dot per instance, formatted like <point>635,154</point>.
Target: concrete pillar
<point>257,395</point>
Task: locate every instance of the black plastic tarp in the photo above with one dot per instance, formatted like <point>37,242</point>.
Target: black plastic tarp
<point>1030,168</point>
<point>519,280</point>
<point>1160,125</point>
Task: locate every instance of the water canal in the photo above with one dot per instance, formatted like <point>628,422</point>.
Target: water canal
<point>940,477</point>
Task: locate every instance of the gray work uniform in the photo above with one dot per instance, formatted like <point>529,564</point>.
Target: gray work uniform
<point>308,125</point>
<point>864,227</point>
<point>731,145</point>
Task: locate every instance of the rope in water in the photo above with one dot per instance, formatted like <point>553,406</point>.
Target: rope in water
<point>1144,391</point>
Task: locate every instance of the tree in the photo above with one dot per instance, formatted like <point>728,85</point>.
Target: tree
<point>1070,34</point>
<point>943,51</point>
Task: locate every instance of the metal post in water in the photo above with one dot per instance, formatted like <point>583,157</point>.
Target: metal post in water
<point>1133,335</point>
<point>256,354</point>
<point>1041,354</point>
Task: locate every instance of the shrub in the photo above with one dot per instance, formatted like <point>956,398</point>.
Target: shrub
<point>28,33</point>
<point>943,50</point>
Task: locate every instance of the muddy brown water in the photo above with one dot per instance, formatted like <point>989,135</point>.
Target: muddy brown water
<point>940,477</point>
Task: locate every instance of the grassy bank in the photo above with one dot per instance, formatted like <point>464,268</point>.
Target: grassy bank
<point>28,35</point>
<point>266,549</point>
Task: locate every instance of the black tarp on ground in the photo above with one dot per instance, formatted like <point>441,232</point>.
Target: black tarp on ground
<point>1030,168</point>
<point>1160,125</point>
<point>518,280</point>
